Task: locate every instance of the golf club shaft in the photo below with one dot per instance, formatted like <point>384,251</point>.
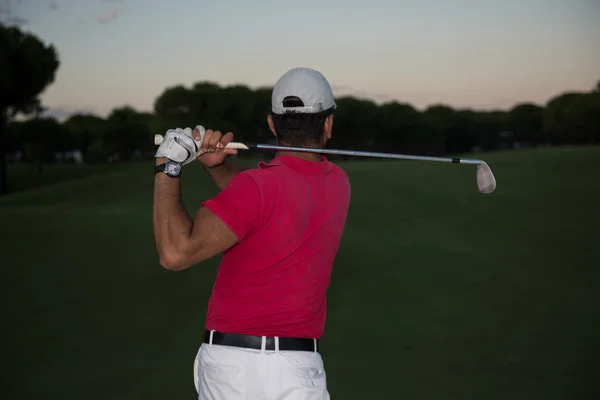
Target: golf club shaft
<point>159,138</point>
<point>368,154</point>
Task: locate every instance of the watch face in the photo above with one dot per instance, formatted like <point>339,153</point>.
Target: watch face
<point>173,169</point>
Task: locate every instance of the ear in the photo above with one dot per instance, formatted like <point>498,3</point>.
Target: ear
<point>271,125</point>
<point>328,127</point>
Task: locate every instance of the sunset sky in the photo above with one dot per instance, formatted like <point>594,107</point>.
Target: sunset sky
<point>465,53</point>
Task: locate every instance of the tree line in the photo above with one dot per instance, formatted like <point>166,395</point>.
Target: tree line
<point>359,124</point>
<point>569,118</point>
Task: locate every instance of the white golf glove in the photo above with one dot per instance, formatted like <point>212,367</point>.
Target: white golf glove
<point>179,145</point>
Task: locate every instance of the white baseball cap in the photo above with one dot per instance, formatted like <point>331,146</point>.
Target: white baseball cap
<point>308,85</point>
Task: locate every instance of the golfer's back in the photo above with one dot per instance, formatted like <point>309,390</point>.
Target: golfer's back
<point>289,216</point>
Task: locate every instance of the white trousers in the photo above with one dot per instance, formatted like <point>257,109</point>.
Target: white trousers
<point>232,373</point>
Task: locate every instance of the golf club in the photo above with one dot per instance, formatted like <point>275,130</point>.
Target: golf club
<point>486,182</point>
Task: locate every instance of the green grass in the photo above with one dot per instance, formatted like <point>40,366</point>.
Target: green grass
<point>438,292</point>
<point>26,176</point>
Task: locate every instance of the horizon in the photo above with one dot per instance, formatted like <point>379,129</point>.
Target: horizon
<point>482,56</point>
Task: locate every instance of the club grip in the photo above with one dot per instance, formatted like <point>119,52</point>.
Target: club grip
<point>158,139</point>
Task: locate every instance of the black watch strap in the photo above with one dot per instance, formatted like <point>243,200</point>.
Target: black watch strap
<point>160,168</point>
<point>174,171</point>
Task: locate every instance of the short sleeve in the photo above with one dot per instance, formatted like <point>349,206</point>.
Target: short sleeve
<point>237,205</point>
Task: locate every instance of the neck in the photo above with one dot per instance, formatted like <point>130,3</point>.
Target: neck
<point>301,154</point>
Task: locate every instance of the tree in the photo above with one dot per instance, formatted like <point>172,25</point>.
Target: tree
<point>42,137</point>
<point>85,129</point>
<point>127,131</point>
<point>174,106</point>
<point>14,136</point>
<point>28,66</point>
<point>455,127</point>
<point>357,124</point>
<point>584,118</point>
<point>400,127</point>
<point>559,125</point>
<point>526,121</point>
<point>491,127</point>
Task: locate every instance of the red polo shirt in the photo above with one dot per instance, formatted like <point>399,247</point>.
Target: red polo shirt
<point>289,216</point>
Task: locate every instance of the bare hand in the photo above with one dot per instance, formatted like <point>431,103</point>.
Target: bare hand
<point>213,147</point>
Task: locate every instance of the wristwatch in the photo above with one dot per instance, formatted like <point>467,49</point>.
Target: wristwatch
<point>170,168</point>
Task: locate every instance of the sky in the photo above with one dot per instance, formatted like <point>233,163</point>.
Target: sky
<point>482,54</point>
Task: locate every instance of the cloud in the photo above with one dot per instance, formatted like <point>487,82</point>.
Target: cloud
<point>62,113</point>
<point>105,19</point>
<point>14,21</point>
<point>53,5</point>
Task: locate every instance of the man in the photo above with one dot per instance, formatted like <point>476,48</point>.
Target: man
<point>279,227</point>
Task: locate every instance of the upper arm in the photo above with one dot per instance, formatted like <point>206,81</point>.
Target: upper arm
<point>238,205</point>
<point>210,236</point>
<point>225,219</point>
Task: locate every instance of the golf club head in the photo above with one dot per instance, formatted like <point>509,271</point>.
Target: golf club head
<point>486,183</point>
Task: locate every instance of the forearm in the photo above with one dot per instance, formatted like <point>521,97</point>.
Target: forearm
<point>223,173</point>
<point>172,225</point>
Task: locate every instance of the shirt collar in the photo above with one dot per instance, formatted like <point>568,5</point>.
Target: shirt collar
<point>299,164</point>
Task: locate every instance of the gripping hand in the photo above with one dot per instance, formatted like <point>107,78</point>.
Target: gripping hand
<point>179,145</point>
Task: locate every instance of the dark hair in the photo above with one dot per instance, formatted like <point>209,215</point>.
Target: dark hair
<point>298,128</point>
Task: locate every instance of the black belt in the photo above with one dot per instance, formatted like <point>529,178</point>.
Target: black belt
<point>255,342</point>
